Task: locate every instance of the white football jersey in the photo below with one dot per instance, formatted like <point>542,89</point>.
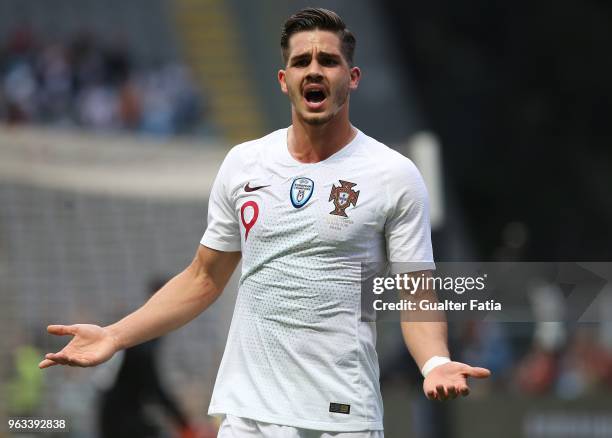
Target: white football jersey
<point>297,353</point>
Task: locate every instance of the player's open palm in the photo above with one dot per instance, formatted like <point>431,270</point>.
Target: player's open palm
<point>449,380</point>
<point>91,345</point>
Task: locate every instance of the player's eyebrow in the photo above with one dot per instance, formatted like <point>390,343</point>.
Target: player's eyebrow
<point>301,57</point>
<point>327,55</point>
<point>320,55</point>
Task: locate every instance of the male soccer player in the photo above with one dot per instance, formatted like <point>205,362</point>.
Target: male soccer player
<point>303,206</point>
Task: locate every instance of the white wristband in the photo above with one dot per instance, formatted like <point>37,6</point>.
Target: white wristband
<point>432,363</point>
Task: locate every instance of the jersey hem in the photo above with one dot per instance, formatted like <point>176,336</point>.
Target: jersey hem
<point>218,245</point>
<point>406,267</point>
<point>298,422</point>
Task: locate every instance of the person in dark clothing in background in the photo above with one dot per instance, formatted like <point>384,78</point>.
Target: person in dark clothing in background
<point>128,407</point>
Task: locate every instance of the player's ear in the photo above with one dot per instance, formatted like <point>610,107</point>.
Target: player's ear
<point>281,81</point>
<point>355,77</point>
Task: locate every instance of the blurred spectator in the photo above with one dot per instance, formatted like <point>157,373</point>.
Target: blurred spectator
<point>129,406</point>
<point>55,83</point>
<point>584,367</point>
<point>487,344</point>
<point>537,371</point>
<point>24,390</point>
<point>86,83</point>
<point>130,106</point>
<point>19,87</point>
<point>98,107</point>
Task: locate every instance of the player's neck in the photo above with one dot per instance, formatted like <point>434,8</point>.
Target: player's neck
<point>309,143</point>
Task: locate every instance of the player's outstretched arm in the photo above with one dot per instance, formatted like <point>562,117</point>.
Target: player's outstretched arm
<point>426,336</point>
<point>180,300</point>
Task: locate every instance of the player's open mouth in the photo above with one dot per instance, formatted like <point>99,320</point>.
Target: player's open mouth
<point>314,96</point>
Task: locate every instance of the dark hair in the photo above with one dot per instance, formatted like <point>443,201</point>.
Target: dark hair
<point>322,19</point>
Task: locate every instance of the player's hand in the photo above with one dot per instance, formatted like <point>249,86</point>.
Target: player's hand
<point>449,380</point>
<point>90,346</point>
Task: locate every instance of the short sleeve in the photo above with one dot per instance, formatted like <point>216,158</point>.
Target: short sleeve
<point>407,227</point>
<point>222,232</point>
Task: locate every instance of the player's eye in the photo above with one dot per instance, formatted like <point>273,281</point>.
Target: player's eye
<point>329,62</point>
<point>303,62</point>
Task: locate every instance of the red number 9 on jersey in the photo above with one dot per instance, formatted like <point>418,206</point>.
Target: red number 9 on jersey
<point>248,225</point>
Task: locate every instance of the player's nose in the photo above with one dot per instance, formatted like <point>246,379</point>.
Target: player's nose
<point>314,70</point>
<point>314,77</point>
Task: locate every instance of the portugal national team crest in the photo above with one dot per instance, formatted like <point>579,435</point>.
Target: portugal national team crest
<point>301,191</point>
<point>343,196</point>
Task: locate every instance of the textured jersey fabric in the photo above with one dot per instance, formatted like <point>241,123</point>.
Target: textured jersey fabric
<point>296,343</point>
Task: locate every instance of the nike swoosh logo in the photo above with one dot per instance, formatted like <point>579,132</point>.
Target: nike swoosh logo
<point>248,188</point>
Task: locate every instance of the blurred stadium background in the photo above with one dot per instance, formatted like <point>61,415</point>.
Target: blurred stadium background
<point>115,115</point>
